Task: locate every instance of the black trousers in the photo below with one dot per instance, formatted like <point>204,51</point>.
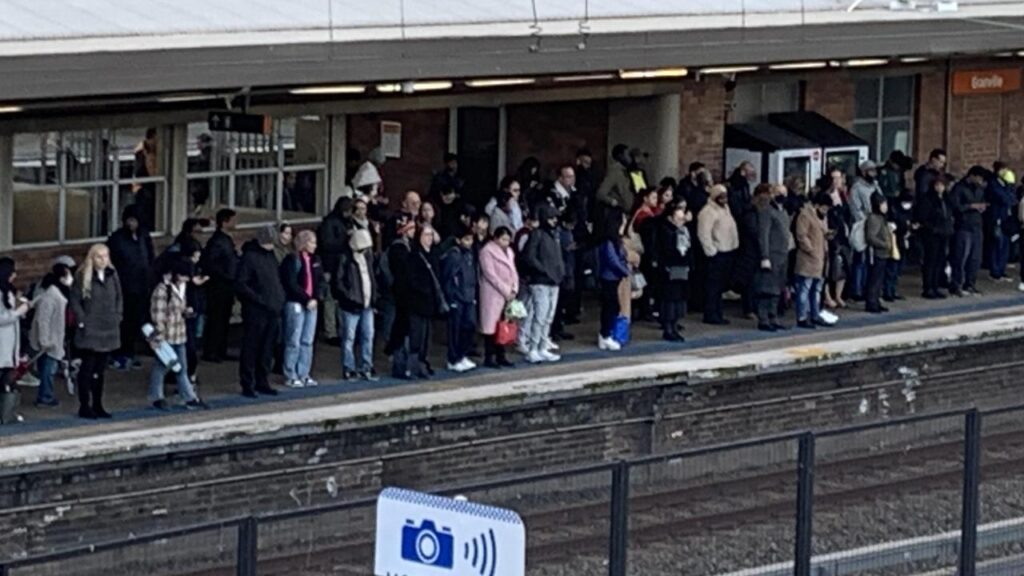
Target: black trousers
<point>134,307</point>
<point>461,326</point>
<point>933,263</point>
<point>220,299</point>
<point>192,331</point>
<point>670,310</point>
<point>609,306</point>
<point>719,270</point>
<point>492,351</point>
<point>767,309</point>
<point>90,378</point>
<point>419,344</point>
<point>257,358</point>
<point>567,299</point>
<point>876,279</point>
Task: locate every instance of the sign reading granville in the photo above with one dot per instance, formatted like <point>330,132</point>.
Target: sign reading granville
<point>968,82</point>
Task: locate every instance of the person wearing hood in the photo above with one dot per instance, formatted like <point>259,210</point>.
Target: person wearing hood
<point>739,187</point>
<point>303,281</point>
<point>447,180</point>
<point>543,272</point>
<point>616,191</point>
<point>933,215</point>
<point>773,242</point>
<point>131,253</point>
<point>332,241</point>
<point>719,239</point>
<point>879,239</point>
<point>259,288</point>
<point>97,304</point>
<point>355,289</point>
<point>283,241</point>
<point>367,180</point>
<point>220,262</point>
<point>169,310</point>
<point>459,284</point>
<point>864,188</point>
<point>426,301</point>
<point>12,310</point>
<point>968,202</point>
<point>49,329</point>
<point>999,221</point>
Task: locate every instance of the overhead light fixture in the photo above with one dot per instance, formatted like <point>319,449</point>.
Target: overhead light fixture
<point>1021,53</point>
<point>10,109</point>
<point>729,70</point>
<point>799,66</point>
<point>495,82</point>
<point>865,62</point>
<point>913,59</point>
<point>176,98</point>
<point>648,74</point>
<point>409,87</point>
<point>317,90</point>
<point>585,78</point>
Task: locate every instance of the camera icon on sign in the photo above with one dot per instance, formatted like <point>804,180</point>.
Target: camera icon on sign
<point>425,544</point>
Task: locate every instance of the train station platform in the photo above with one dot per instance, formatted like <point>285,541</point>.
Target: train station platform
<point>49,437</point>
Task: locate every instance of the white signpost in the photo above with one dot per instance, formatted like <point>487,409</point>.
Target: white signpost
<point>425,535</point>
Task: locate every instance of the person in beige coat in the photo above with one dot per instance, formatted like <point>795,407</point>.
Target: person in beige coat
<point>719,237</point>
<point>812,249</point>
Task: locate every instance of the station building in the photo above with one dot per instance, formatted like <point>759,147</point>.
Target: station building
<point>101,105</point>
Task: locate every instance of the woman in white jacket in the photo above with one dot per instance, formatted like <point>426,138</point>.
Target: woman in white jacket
<point>12,310</point>
<point>49,328</point>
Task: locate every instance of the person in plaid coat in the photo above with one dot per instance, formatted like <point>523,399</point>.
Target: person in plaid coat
<point>169,309</point>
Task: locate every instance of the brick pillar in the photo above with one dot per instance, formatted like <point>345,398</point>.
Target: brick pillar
<point>930,120</point>
<point>702,125</point>
<point>831,95</point>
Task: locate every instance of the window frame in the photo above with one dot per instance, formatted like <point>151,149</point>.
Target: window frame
<point>880,120</point>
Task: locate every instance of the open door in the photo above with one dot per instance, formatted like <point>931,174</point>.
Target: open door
<point>478,153</point>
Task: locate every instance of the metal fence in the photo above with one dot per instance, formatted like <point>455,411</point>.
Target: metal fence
<point>936,494</point>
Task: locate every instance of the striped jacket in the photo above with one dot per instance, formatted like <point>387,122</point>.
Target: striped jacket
<point>167,309</point>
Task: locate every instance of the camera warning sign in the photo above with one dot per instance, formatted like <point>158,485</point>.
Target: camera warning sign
<point>425,535</point>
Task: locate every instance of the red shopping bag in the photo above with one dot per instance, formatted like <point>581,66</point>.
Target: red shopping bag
<point>506,332</point>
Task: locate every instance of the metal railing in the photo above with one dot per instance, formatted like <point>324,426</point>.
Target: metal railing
<point>757,496</point>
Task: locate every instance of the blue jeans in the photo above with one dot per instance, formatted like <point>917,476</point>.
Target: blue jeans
<point>808,298</point>
<point>47,367</point>
<point>858,274</point>
<point>893,270</point>
<point>360,323</point>
<point>966,259</point>
<point>299,335</point>
<point>999,253</point>
<point>156,377</point>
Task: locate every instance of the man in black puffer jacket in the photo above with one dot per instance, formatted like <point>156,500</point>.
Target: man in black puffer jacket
<point>259,288</point>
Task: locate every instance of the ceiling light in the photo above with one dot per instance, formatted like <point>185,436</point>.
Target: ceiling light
<point>729,70</point>
<point>10,109</point>
<point>913,59</point>
<point>315,90</point>
<point>584,78</point>
<point>500,82</point>
<point>184,98</point>
<point>798,66</point>
<point>1021,53</point>
<point>865,62</point>
<point>409,87</point>
<point>647,74</point>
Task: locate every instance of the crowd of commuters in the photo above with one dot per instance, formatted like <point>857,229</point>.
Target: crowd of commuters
<point>510,272</point>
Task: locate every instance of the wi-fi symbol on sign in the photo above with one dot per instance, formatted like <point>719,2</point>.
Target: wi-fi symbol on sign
<point>482,553</point>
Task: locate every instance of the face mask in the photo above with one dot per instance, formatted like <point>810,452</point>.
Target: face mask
<point>67,281</point>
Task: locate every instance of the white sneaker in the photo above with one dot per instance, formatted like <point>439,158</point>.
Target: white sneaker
<point>29,381</point>
<point>535,357</point>
<point>549,345</point>
<point>549,357</point>
<point>828,317</point>
<point>470,365</point>
<point>522,349</point>
<point>310,383</point>
<point>456,367</point>
<point>608,344</point>
<point>1020,287</point>
<point>294,384</point>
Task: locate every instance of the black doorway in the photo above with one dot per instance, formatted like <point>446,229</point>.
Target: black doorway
<point>478,153</point>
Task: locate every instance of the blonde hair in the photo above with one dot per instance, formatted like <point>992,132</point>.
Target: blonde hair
<point>303,238</point>
<point>87,271</point>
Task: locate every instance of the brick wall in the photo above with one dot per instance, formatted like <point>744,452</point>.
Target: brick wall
<point>553,132</point>
<point>424,142</point>
<point>44,510</point>
<point>702,125</point>
<point>985,128</point>
<point>930,116</point>
<point>831,94</point>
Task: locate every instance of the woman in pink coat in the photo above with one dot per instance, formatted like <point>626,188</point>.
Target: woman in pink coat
<point>499,283</point>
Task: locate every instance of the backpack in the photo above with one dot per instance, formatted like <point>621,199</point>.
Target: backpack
<point>385,277</point>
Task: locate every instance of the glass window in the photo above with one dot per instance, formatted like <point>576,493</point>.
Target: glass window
<point>754,101</point>
<point>884,114</point>
<point>265,178</point>
<point>73,185</point>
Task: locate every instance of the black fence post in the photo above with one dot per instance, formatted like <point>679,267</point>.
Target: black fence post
<point>972,503</point>
<point>619,520</point>
<point>804,505</point>
<point>248,542</point>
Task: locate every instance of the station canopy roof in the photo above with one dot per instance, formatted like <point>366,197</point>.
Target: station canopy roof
<point>61,48</point>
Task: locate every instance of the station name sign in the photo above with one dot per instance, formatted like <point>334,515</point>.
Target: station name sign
<point>970,82</point>
<point>224,121</point>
